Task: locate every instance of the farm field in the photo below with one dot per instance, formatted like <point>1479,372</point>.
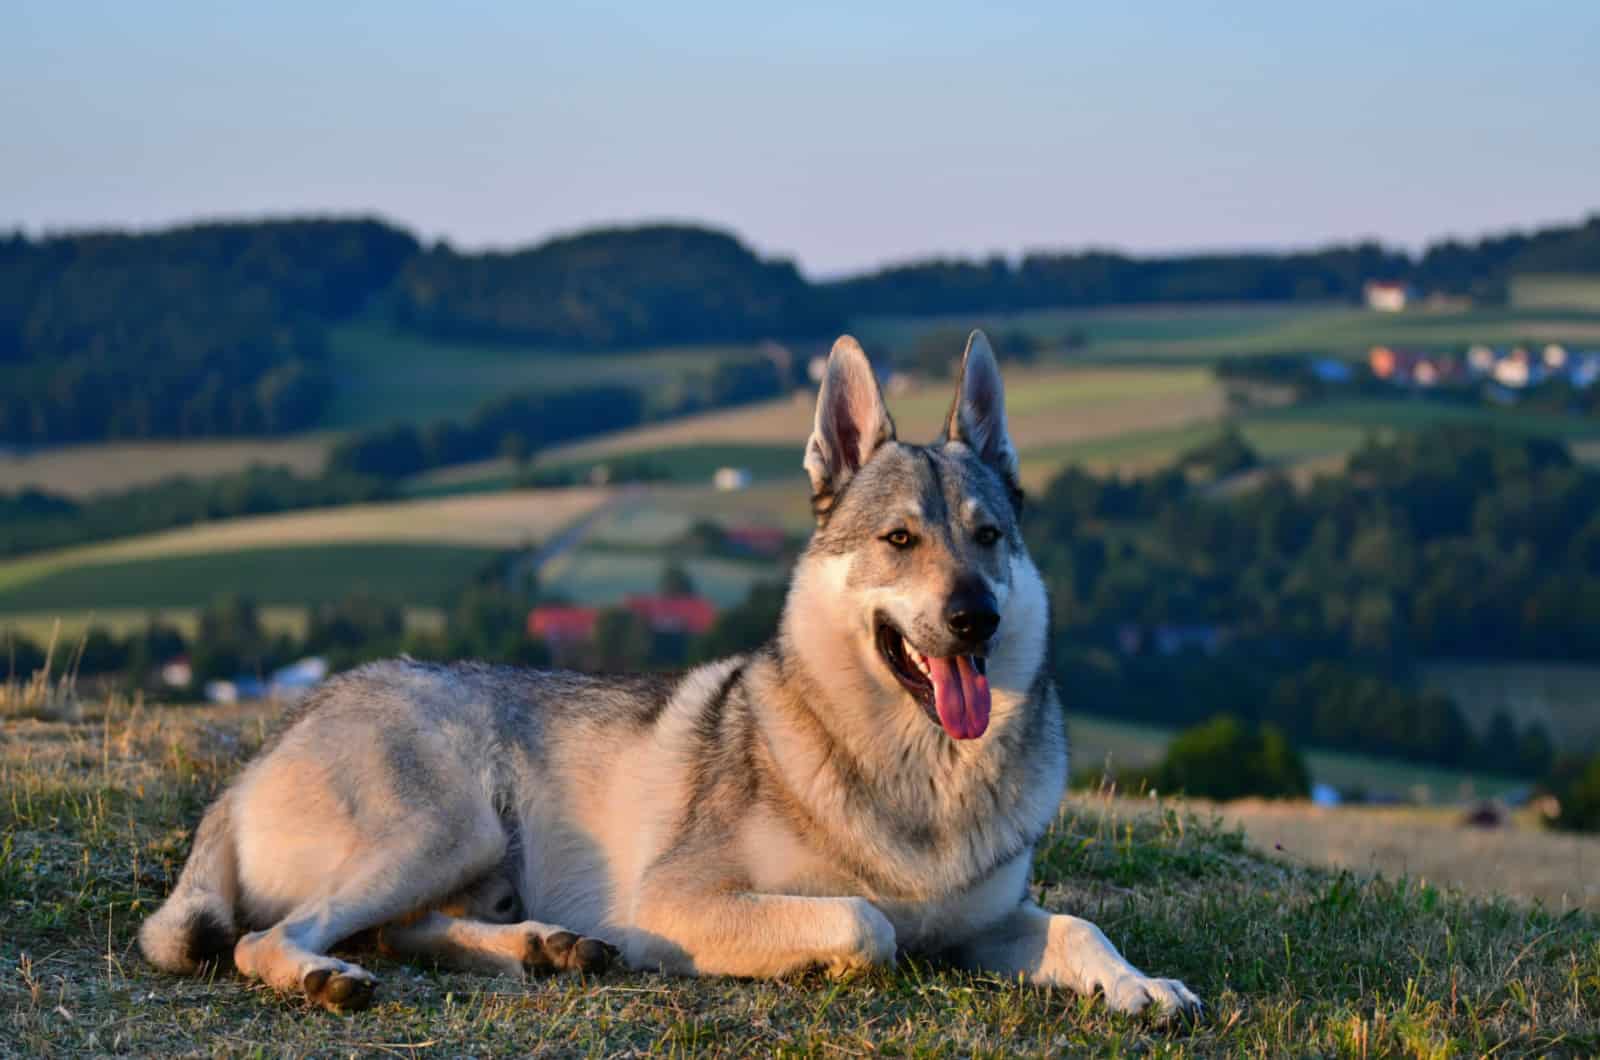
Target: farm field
<point>1095,740</point>
<point>599,576</point>
<point>690,464</point>
<point>383,377</point>
<point>1431,846</point>
<point>69,627</point>
<point>1178,333</point>
<point>82,470</point>
<point>1043,406</point>
<point>470,524</point>
<point>1290,958</point>
<point>422,574</point>
<point>1319,434</point>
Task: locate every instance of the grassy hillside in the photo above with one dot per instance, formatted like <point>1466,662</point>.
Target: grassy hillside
<point>1207,332</point>
<point>413,550</point>
<point>1289,959</point>
<point>383,376</point>
<point>310,574</point>
<point>80,470</point>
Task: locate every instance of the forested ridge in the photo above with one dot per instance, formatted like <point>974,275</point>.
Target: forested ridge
<point>220,328</point>
<point>1309,608</point>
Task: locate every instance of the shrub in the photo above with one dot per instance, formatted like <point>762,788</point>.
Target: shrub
<point>1226,758</point>
<point>1577,788</point>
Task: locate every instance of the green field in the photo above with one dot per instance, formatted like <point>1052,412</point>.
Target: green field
<point>1287,436</point>
<point>382,376</point>
<point>1207,332</point>
<point>421,574</point>
<point>687,464</point>
<point>1096,740</point>
<point>602,576</point>
<point>1556,291</point>
<point>1563,697</point>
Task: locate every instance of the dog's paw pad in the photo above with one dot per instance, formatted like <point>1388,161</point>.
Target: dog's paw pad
<point>567,951</point>
<point>592,955</point>
<point>338,991</point>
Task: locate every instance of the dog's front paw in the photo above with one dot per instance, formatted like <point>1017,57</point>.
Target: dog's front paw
<point>339,987</point>
<point>1162,998</point>
<point>871,940</point>
<point>565,951</point>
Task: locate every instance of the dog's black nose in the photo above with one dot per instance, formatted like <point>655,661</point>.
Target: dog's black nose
<point>971,616</point>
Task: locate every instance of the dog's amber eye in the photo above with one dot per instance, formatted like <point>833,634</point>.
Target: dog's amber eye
<point>987,535</point>
<point>900,538</point>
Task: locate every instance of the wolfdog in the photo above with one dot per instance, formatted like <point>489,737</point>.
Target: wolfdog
<point>871,782</point>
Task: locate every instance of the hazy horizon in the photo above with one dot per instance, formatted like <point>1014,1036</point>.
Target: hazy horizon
<point>841,137</point>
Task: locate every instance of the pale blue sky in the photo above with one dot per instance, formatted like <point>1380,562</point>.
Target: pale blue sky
<point>841,134</point>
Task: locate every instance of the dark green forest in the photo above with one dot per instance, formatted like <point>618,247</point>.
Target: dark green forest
<point>210,329</point>
<point>615,287</point>
<point>221,328</point>
<point>1308,609</point>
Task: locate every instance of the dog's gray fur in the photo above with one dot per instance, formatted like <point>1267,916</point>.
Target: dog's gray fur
<point>786,809</point>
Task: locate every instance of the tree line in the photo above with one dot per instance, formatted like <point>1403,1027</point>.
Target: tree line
<point>221,328</point>
<point>1479,269</point>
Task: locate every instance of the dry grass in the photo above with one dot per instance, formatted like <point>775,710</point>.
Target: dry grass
<point>80,470</point>
<point>48,692</point>
<point>1433,846</point>
<point>95,818</point>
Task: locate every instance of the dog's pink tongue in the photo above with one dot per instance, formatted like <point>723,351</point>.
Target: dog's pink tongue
<point>960,695</point>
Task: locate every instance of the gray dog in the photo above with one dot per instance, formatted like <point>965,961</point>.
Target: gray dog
<point>871,782</point>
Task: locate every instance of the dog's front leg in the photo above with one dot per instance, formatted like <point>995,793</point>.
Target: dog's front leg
<point>1068,951</point>
<point>693,931</point>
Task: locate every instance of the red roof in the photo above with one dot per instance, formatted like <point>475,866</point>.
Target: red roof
<point>764,540</point>
<point>562,623</point>
<point>674,614</point>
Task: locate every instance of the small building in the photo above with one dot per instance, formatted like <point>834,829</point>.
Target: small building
<point>1583,371</point>
<point>1329,370</point>
<point>1388,296</point>
<point>1517,370</point>
<point>689,614</point>
<point>1392,365</point>
<point>177,672</point>
<point>295,680</point>
<point>754,539</point>
<point>556,624</point>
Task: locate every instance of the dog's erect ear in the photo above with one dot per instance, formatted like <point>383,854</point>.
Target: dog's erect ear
<point>977,417</point>
<point>851,423</point>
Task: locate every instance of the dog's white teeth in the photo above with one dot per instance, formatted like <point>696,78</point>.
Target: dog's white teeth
<point>914,655</point>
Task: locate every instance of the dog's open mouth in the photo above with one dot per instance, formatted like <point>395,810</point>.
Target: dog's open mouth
<point>953,691</point>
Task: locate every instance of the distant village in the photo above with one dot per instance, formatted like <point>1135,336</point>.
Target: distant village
<point>1506,370</point>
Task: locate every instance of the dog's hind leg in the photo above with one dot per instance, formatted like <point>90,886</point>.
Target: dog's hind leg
<point>496,949</point>
<point>377,882</point>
